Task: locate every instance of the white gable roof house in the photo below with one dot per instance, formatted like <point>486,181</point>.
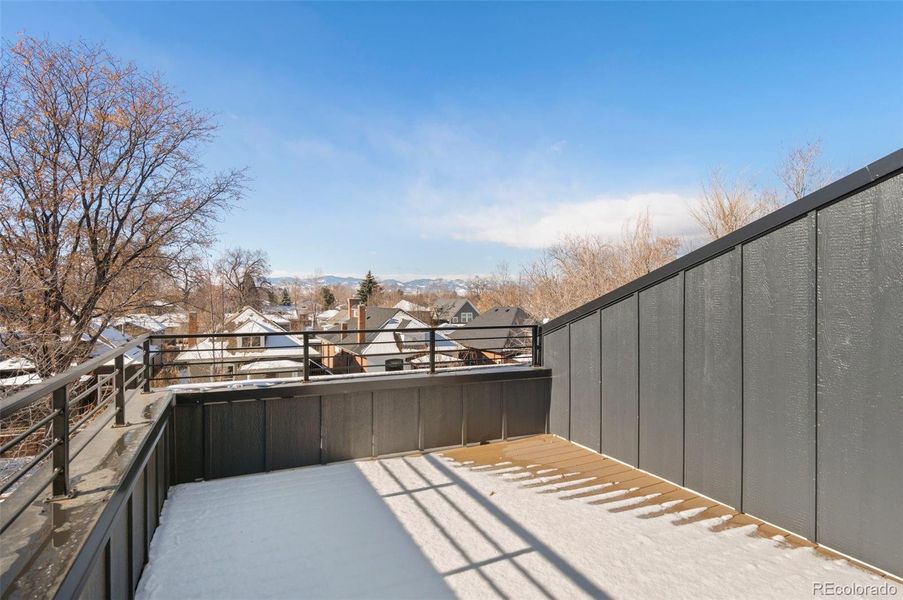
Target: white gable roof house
<point>255,349</point>
<point>392,341</point>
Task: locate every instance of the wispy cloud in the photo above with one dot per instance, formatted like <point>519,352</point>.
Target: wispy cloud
<point>539,224</point>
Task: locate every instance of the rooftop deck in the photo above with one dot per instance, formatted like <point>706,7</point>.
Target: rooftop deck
<point>536,517</point>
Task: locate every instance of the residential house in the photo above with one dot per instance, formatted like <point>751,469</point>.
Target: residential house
<point>508,337</point>
<point>259,348</point>
<point>389,347</point>
<point>456,311</point>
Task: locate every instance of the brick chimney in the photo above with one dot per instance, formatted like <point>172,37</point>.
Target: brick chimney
<point>192,322</point>
<point>353,303</point>
<point>361,322</point>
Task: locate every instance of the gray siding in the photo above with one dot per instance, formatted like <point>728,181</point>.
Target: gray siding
<point>585,403</point>
<point>526,405</point>
<point>860,375</point>
<point>442,411</point>
<point>712,379</point>
<point>618,371</point>
<point>556,356</point>
<point>779,377</point>
<point>662,379</point>
<point>483,411</point>
<point>395,417</point>
<point>347,426</point>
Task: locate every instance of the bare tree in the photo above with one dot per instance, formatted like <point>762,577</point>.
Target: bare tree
<point>580,269</point>
<point>726,206</point>
<point>801,171</point>
<point>100,190</point>
<point>243,273</point>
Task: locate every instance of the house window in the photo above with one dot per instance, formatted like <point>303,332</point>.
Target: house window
<point>454,319</point>
<point>250,341</point>
<point>466,317</point>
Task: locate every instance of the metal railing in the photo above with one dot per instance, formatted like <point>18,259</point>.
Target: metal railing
<point>203,357</point>
<point>71,403</point>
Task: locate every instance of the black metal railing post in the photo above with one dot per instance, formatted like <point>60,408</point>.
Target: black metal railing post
<point>306,356</point>
<point>119,387</point>
<point>537,349</point>
<point>432,350</point>
<point>60,429</point>
<point>147,365</point>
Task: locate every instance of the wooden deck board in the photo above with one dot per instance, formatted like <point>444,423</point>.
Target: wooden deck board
<point>552,465</point>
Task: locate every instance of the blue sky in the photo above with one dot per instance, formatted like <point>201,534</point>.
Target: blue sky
<point>441,139</point>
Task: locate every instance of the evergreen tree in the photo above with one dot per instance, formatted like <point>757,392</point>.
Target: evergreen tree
<point>326,297</point>
<point>368,287</point>
<point>286,299</point>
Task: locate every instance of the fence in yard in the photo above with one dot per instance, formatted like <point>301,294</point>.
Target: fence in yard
<point>764,370</point>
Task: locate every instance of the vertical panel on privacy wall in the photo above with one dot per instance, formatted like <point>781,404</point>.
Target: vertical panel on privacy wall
<point>347,426</point>
<point>483,412</point>
<point>712,379</point>
<point>396,414</point>
<point>585,404</point>
<point>555,356</point>
<point>293,432</point>
<point>779,377</point>
<point>441,416</point>
<point>662,379</point>
<point>860,375</point>
<point>618,372</point>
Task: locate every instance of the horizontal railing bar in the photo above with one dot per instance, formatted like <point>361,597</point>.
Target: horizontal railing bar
<point>28,467</point>
<point>137,373</point>
<point>87,416</point>
<point>28,396</point>
<point>339,371</point>
<point>28,432</point>
<point>12,519</point>
<point>100,426</point>
<point>85,393</point>
<point>318,332</point>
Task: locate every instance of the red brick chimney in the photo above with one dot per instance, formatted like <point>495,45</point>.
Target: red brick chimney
<point>361,322</point>
<point>192,322</point>
<point>353,303</point>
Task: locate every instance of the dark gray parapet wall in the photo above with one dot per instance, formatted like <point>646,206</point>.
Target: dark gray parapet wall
<point>222,433</point>
<point>764,370</point>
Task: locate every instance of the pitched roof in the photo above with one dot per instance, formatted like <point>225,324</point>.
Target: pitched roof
<point>446,308</point>
<point>387,319</point>
<point>505,333</point>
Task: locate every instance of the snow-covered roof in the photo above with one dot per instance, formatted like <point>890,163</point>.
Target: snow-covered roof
<point>440,358</point>
<point>19,380</point>
<point>146,322</point>
<point>266,366</point>
<point>16,363</point>
<point>408,305</point>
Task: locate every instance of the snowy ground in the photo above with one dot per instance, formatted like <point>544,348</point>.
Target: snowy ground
<point>422,527</point>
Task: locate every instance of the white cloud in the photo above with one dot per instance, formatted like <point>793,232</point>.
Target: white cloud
<point>521,222</point>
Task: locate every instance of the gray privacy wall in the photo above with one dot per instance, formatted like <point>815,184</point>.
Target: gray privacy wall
<point>237,432</point>
<point>764,370</point>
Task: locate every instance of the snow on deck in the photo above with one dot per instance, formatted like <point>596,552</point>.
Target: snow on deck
<point>424,527</point>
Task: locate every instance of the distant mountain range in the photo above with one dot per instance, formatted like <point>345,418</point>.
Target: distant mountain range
<point>452,286</point>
